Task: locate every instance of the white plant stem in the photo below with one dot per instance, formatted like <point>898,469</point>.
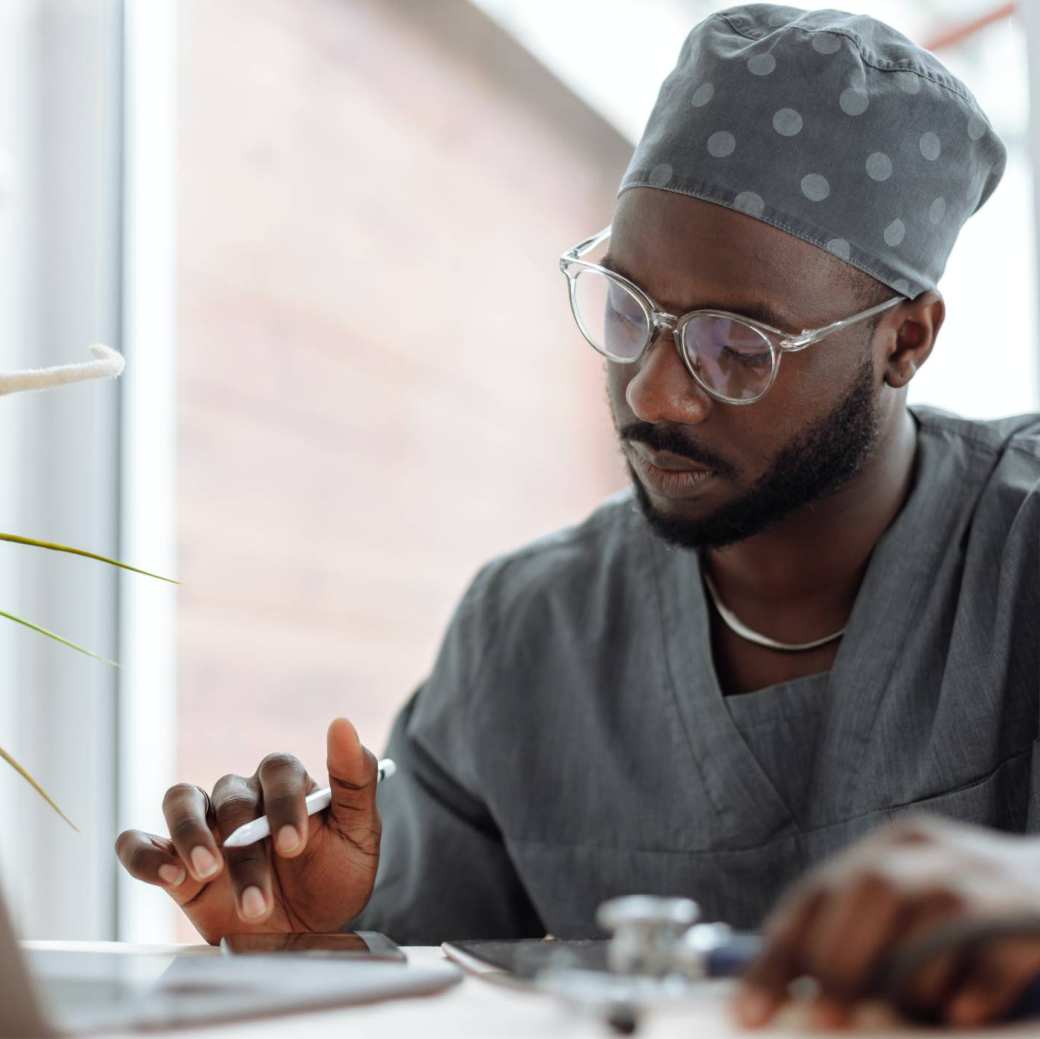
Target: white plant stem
<point>107,364</point>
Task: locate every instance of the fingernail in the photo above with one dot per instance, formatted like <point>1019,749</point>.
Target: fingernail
<point>288,840</point>
<point>172,875</point>
<point>203,862</point>
<point>253,904</point>
<point>753,1007</point>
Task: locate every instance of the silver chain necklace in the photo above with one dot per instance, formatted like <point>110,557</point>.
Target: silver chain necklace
<point>737,627</point>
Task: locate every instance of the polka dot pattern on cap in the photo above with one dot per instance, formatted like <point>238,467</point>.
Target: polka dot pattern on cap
<point>895,232</point>
<point>832,127</point>
<point>761,65</point>
<point>840,248</point>
<point>815,187</point>
<point>750,203</point>
<point>787,122</point>
<point>826,43</point>
<point>660,175</point>
<point>702,95</point>
<point>909,82</point>
<point>854,101</point>
<point>721,144</point>
<point>931,147</point>
<point>879,166</point>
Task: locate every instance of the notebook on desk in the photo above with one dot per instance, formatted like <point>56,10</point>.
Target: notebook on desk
<point>62,992</point>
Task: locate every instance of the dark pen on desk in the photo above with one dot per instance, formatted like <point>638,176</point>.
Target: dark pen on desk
<point>258,829</point>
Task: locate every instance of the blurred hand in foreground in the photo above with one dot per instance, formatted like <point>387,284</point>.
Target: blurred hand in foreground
<point>843,924</point>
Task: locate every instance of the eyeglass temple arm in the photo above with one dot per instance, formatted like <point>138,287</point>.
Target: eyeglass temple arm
<point>799,342</point>
<point>587,246</point>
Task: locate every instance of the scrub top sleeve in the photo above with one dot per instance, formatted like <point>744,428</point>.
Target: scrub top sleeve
<point>444,872</point>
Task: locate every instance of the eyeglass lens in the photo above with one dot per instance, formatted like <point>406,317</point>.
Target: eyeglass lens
<point>731,358</point>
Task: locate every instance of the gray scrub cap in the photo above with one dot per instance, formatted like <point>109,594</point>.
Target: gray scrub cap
<point>830,126</point>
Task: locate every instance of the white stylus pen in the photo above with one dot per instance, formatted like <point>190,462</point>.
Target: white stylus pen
<point>258,829</point>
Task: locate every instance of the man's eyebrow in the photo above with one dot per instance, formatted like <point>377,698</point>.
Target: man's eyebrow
<point>757,309</point>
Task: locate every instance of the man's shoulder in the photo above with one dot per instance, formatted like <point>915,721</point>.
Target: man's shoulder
<point>986,470</point>
<point>565,564</point>
<point>994,437</point>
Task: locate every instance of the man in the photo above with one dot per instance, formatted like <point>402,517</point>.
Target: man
<point>816,612</point>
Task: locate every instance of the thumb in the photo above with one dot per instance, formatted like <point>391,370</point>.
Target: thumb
<point>352,779</point>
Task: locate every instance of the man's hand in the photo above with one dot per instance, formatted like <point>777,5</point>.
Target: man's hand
<point>313,874</point>
<point>843,923</point>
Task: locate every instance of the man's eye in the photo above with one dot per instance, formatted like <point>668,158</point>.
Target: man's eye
<point>624,312</point>
<point>758,359</point>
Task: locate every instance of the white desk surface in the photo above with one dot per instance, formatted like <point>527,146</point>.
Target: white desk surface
<point>483,1009</point>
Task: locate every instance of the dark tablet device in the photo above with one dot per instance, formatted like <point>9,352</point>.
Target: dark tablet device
<point>349,945</point>
<point>527,957</point>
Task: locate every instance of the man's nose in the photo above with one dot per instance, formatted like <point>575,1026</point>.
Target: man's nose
<point>662,390</point>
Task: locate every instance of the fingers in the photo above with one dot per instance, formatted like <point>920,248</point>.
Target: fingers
<point>765,985</point>
<point>155,861</point>
<point>830,1014</point>
<point>237,801</point>
<point>850,935</point>
<point>188,812</point>
<point>214,884</point>
<point>149,858</point>
<point>841,935</point>
<point>999,975</point>
<point>922,994</point>
<point>882,918</point>
<point>283,786</point>
<point>352,778</point>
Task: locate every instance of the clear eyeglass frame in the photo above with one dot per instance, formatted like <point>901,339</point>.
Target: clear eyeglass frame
<point>780,342</point>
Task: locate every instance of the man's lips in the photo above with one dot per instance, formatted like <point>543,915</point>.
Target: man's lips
<point>669,475</point>
<point>668,461</point>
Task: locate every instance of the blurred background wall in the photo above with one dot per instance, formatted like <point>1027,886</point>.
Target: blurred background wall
<point>325,234</point>
<point>377,381</point>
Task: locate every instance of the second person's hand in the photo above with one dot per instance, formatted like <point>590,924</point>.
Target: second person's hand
<point>852,918</point>
<point>314,874</point>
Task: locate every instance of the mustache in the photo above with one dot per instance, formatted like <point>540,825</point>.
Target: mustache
<point>665,438</point>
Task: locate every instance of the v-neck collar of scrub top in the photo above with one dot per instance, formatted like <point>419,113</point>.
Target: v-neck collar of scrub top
<point>747,807</point>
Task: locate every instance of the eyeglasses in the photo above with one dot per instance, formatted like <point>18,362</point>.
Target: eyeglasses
<point>734,359</point>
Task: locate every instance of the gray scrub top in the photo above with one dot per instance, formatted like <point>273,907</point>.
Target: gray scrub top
<point>572,742</point>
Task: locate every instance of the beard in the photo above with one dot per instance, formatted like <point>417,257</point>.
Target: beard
<point>816,463</point>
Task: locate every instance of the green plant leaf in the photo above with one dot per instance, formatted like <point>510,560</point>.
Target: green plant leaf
<point>52,547</point>
<point>57,638</point>
<point>36,786</point>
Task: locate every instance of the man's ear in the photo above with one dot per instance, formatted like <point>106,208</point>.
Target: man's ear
<point>916,324</point>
